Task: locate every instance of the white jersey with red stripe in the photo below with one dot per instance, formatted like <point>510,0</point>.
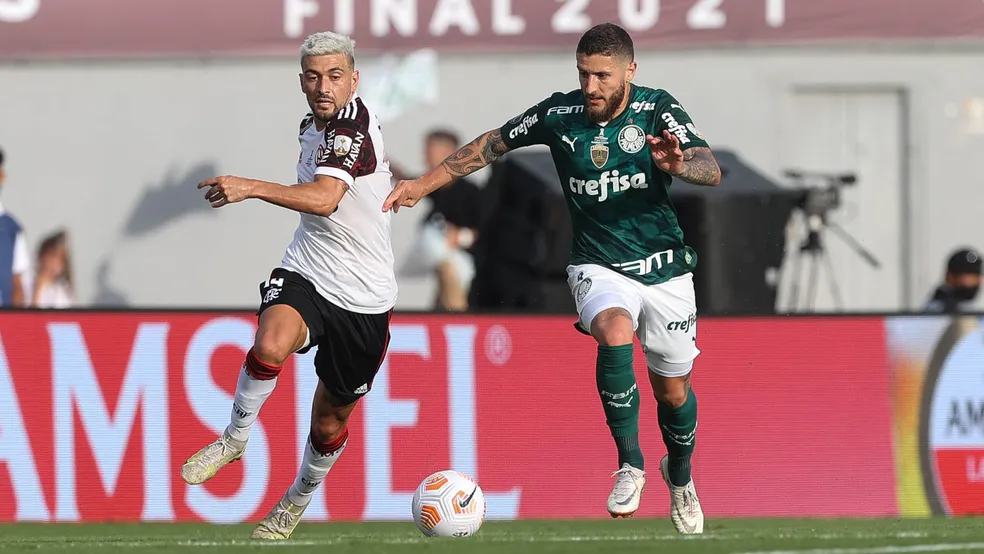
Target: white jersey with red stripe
<point>348,257</point>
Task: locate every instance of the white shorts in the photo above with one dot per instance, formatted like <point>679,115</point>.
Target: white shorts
<point>664,315</point>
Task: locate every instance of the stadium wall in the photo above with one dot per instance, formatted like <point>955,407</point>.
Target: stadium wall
<point>121,145</point>
<point>835,416</point>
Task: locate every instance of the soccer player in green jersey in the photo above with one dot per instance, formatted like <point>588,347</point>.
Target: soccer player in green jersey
<point>617,146</point>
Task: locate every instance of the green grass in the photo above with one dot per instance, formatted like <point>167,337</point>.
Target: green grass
<point>814,536</point>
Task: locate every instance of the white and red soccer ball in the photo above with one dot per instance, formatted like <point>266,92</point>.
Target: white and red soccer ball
<point>448,504</point>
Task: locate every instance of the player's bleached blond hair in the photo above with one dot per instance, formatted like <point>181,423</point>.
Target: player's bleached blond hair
<point>327,43</point>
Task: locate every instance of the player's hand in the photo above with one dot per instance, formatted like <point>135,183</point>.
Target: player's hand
<point>405,194</point>
<point>226,189</point>
<point>666,152</point>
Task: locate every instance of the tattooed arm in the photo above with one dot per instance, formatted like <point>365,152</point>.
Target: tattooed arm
<point>700,167</point>
<point>471,157</point>
<point>695,165</point>
<point>468,159</point>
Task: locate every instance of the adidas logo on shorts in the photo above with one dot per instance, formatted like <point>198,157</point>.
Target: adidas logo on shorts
<point>363,389</point>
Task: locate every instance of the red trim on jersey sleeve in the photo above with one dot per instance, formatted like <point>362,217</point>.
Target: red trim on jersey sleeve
<point>348,144</point>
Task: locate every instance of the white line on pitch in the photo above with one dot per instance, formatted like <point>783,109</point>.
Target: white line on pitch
<point>950,547</point>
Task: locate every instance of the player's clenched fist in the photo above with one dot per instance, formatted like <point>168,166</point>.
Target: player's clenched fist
<point>226,189</point>
<point>405,193</point>
<point>666,152</point>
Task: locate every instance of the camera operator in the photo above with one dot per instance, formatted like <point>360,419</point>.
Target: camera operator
<point>960,285</point>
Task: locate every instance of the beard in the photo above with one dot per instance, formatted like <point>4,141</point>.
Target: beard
<point>605,112</point>
<point>324,115</point>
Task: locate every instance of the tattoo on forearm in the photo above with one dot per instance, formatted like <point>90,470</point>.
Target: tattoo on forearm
<point>700,168</point>
<point>476,154</point>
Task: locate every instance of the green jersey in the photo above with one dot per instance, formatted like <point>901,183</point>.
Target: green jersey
<point>618,199</point>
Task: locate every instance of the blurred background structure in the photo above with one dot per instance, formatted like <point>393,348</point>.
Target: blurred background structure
<point>107,127</point>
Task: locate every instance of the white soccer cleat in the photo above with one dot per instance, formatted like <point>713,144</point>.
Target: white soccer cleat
<point>205,463</point>
<point>627,492</point>
<point>685,511</point>
<point>280,523</point>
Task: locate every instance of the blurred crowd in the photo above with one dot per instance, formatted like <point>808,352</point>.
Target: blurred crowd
<point>43,280</point>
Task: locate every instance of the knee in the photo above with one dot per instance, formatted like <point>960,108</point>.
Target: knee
<point>670,391</point>
<point>327,429</point>
<point>270,350</point>
<point>613,327</point>
<point>672,398</point>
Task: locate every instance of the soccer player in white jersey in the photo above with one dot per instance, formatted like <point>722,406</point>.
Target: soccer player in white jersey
<point>336,286</point>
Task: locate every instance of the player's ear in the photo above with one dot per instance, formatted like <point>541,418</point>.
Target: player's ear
<point>630,71</point>
<point>300,80</point>
<point>355,79</point>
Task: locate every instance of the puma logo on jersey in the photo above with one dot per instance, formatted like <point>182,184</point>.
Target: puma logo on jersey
<point>608,179</point>
<point>569,141</point>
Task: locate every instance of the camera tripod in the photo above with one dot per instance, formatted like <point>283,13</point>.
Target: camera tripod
<point>813,248</point>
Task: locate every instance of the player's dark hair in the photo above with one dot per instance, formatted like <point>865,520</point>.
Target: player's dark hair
<point>444,134</point>
<point>607,39</point>
<point>1,157</point>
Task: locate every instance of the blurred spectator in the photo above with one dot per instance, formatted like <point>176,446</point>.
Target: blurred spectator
<point>449,230</point>
<point>15,261</point>
<point>960,285</point>
<point>53,287</point>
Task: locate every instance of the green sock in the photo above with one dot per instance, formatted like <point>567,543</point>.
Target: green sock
<point>679,428</point>
<point>620,397</point>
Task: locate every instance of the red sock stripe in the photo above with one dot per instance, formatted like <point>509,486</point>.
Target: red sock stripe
<point>330,446</point>
<point>260,370</point>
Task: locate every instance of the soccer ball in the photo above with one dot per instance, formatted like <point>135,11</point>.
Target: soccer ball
<point>448,504</point>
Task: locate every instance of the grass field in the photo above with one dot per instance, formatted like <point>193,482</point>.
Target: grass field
<point>732,536</point>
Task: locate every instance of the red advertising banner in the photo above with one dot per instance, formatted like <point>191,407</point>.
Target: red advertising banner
<point>937,367</point>
<point>120,28</point>
<point>98,412</point>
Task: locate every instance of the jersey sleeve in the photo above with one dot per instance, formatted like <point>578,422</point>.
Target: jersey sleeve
<point>527,128</point>
<point>348,151</point>
<point>672,117</point>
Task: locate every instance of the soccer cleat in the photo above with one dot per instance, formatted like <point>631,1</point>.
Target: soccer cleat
<point>205,463</point>
<point>627,492</point>
<point>279,524</point>
<point>685,511</point>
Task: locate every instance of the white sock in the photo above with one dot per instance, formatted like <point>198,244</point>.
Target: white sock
<point>251,393</point>
<point>314,468</point>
